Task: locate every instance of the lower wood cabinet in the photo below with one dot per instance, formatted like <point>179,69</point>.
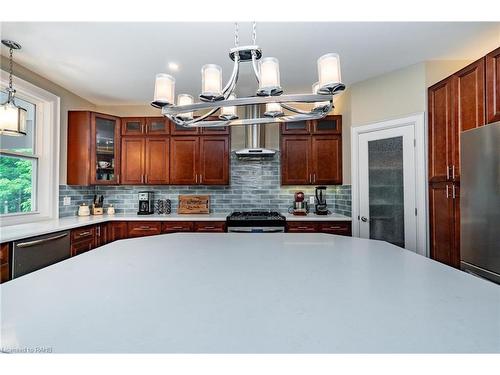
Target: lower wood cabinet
<point>82,246</point>
<point>444,223</point>
<point>83,239</point>
<point>143,228</point>
<point>210,226</point>
<point>116,230</point>
<point>342,228</point>
<point>4,263</point>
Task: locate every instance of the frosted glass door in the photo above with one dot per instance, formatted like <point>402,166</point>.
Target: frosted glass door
<point>387,187</point>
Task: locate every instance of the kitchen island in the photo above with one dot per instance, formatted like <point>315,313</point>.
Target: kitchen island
<point>250,293</point>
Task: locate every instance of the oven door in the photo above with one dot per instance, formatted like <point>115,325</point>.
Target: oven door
<point>256,229</point>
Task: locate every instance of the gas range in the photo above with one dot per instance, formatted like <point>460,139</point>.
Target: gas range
<point>256,222</point>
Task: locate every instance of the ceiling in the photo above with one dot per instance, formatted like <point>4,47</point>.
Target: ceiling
<point>114,63</point>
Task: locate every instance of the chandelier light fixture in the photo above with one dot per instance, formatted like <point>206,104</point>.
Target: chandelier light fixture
<point>214,97</point>
<point>12,117</point>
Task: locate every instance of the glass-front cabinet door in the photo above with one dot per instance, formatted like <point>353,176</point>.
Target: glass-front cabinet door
<point>106,160</point>
<point>331,124</point>
<point>157,126</point>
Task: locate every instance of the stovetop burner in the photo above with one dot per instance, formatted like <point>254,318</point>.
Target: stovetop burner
<point>256,215</point>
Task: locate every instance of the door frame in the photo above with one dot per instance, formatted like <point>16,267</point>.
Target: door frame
<point>417,120</point>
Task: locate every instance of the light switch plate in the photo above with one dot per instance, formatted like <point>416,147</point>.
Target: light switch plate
<point>311,200</point>
<point>66,201</point>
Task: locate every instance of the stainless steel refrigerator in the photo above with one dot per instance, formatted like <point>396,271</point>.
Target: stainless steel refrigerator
<point>480,201</point>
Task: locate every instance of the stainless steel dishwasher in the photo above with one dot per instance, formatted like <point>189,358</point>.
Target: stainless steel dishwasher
<point>31,254</point>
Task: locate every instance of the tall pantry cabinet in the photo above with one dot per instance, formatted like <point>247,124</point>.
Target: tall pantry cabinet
<point>466,100</point>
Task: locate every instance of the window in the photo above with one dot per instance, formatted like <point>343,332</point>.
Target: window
<point>18,165</point>
<point>29,177</point>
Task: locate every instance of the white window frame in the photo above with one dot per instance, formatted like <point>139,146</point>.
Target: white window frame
<point>47,146</point>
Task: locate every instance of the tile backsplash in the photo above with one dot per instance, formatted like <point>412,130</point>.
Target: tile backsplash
<point>255,184</point>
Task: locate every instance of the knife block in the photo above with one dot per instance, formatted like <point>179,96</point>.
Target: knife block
<point>96,210</point>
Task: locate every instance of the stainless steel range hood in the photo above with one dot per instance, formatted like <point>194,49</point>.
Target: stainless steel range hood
<point>255,138</point>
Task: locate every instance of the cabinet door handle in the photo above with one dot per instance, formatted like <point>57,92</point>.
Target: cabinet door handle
<point>447,172</point>
<point>200,178</point>
<point>310,178</point>
<point>447,194</point>
<point>146,178</point>
<point>314,177</point>
<point>176,228</point>
<point>207,227</point>
<point>453,174</point>
<point>98,231</point>
<point>83,234</point>
<point>453,192</point>
<point>145,228</point>
<point>117,178</point>
<point>304,228</point>
<point>337,227</point>
<point>196,178</point>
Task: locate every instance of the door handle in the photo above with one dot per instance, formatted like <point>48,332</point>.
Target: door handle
<point>38,242</point>
<point>447,194</point>
<point>447,172</point>
<point>453,192</point>
<point>310,178</point>
<point>364,219</point>
<point>200,178</point>
<point>453,173</point>
<point>314,177</point>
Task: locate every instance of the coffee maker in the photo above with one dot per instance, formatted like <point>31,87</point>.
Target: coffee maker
<point>300,206</point>
<point>321,208</point>
<point>146,203</point>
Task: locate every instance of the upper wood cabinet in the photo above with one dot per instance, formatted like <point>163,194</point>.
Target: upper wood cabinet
<point>199,160</point>
<point>441,129</point>
<point>219,130</point>
<point>493,86</point>
<point>93,148</point>
<point>145,160</point>
<point>331,124</point>
<point>145,125</point>
<point>326,159</point>
<point>311,152</point>
<point>311,160</point>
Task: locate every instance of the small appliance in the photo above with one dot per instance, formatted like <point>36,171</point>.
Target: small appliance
<point>146,203</point>
<point>256,222</point>
<point>300,206</point>
<point>321,207</point>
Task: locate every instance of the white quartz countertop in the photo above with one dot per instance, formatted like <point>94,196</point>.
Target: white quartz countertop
<point>314,217</point>
<point>250,293</point>
<point>21,231</point>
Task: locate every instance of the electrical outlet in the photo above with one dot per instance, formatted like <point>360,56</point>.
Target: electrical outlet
<point>311,200</point>
<point>66,201</point>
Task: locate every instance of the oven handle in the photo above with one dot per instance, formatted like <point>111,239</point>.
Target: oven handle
<point>251,231</point>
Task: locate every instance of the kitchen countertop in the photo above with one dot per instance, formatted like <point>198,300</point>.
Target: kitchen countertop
<point>250,293</point>
<point>21,231</point>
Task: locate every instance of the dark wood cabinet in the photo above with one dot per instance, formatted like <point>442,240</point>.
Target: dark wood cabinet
<point>296,160</point>
<point>444,226</point>
<point>331,124</point>
<point>4,263</point>
<point>116,230</point>
<point>493,86</point>
<point>342,228</point>
<point>83,239</point>
<point>101,234</point>
<point>145,160</point>
<point>145,125</point>
<point>133,125</point>
<point>93,149</point>
<point>441,129</point>
<point>214,161</point>
<point>133,155</point>
<point>143,228</point>
<point>311,160</point>
<point>82,246</point>
<point>199,160</point>
<point>184,154</point>
<point>210,226</point>
<point>326,159</point>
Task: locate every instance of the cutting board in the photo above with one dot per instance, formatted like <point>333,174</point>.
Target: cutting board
<point>194,204</point>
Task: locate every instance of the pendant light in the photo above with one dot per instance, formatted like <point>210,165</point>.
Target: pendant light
<point>12,117</point>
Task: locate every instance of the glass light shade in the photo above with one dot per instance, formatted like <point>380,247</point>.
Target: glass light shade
<point>315,88</point>
<point>269,71</point>
<point>211,80</point>
<point>164,89</point>
<point>185,99</point>
<point>12,119</point>
<point>231,110</point>
<point>329,69</point>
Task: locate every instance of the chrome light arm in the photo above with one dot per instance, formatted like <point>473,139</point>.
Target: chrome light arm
<point>326,108</point>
